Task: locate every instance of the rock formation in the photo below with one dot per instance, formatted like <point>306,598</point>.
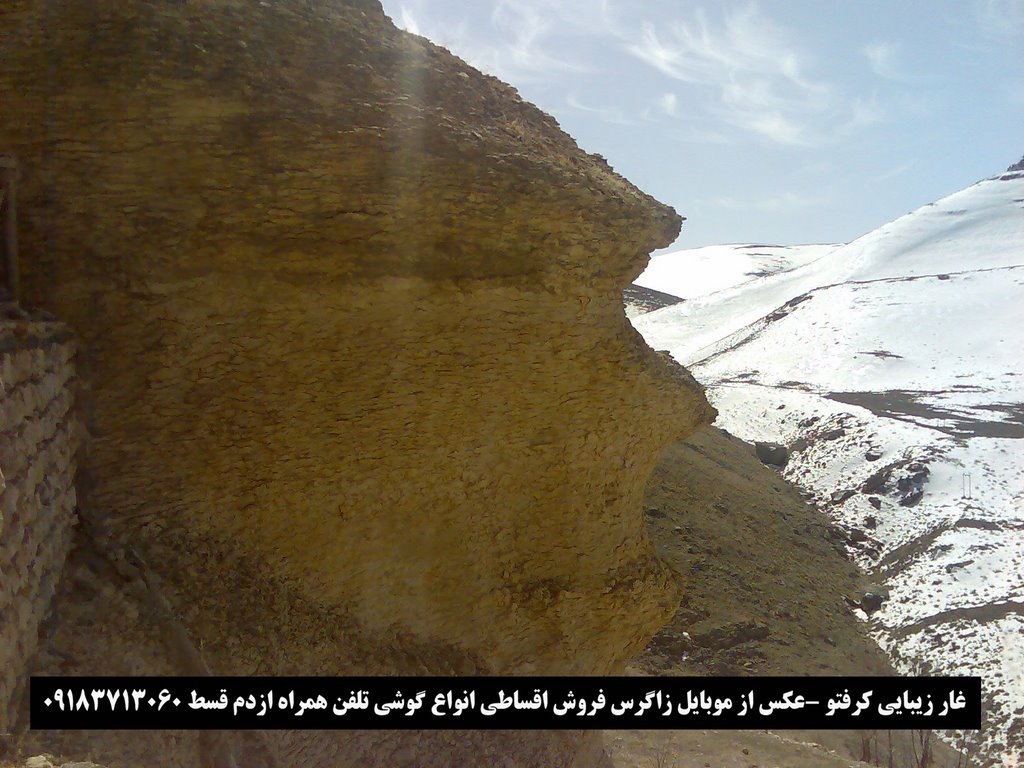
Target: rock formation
<point>352,316</point>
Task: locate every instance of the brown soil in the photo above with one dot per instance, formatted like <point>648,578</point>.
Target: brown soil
<point>763,584</point>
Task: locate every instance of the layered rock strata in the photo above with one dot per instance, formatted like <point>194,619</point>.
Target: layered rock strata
<point>353,312</point>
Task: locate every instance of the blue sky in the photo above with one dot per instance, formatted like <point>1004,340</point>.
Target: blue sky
<point>781,122</point>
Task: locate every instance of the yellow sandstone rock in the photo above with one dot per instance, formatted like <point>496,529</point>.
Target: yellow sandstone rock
<point>353,309</point>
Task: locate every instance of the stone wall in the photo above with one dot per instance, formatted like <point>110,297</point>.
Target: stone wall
<point>38,440</point>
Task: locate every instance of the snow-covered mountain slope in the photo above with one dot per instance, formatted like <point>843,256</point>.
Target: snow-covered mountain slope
<point>700,271</point>
<point>640,300</point>
<point>717,306</point>
<point>893,368</point>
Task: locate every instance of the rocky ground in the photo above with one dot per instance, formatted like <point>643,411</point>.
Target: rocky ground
<point>764,586</point>
<point>764,583</point>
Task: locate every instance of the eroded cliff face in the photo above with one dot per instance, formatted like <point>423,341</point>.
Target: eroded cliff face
<point>351,311</point>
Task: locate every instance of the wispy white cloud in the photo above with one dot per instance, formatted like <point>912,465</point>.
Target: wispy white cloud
<point>408,21</point>
<point>887,61</point>
<point>682,126</point>
<point>696,52</point>
<point>730,74</point>
<point>523,45</point>
<point>862,113</point>
<point>420,18</point>
<point>783,201</point>
<point>755,69</point>
<point>892,173</point>
<point>691,135</point>
<point>607,114</point>
<point>580,17</point>
<point>881,57</point>
<point>522,42</point>
<point>1001,17</point>
<point>669,104</point>
<point>528,26</point>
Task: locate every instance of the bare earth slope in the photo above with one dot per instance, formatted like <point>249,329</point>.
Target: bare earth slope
<point>766,579</point>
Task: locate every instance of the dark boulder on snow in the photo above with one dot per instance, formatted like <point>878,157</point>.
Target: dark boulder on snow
<point>876,481</point>
<point>838,497</point>
<point>772,453</point>
<point>911,485</point>
<point>871,602</point>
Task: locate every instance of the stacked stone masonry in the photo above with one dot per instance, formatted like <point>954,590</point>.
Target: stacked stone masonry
<point>37,495</point>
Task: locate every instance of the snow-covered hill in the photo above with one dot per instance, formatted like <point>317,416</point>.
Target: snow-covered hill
<point>700,271</point>
<point>893,368</point>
